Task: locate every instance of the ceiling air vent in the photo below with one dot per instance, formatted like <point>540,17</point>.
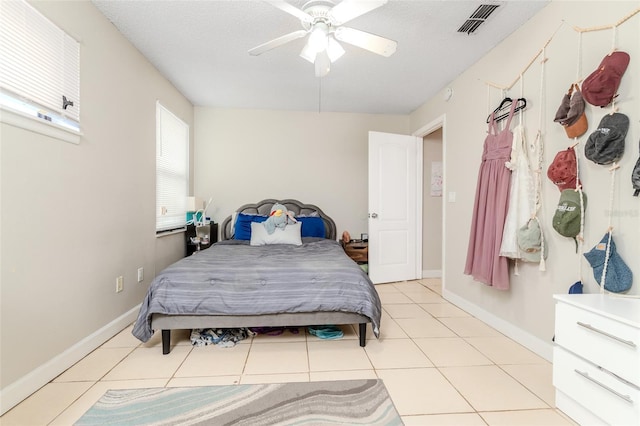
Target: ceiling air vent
<point>477,18</point>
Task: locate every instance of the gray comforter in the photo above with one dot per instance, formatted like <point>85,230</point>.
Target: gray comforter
<point>234,278</point>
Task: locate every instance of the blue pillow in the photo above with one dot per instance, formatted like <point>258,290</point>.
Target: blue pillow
<point>312,226</point>
<point>242,229</point>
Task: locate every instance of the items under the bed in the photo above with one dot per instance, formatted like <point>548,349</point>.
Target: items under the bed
<point>223,337</point>
<point>229,337</point>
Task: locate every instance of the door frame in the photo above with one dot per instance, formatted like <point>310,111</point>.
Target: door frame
<point>437,123</point>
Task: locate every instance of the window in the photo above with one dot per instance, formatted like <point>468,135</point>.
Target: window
<point>39,69</point>
<point>172,170</point>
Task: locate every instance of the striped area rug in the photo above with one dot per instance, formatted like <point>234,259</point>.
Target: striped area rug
<point>354,402</point>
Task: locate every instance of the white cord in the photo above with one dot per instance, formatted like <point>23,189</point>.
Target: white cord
<point>204,213</point>
<point>539,146</point>
<point>603,279</point>
<point>522,96</point>
<point>579,70</point>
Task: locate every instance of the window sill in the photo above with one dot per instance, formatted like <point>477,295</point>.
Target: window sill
<point>39,125</point>
<point>160,234</point>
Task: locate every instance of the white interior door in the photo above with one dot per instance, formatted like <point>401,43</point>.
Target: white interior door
<point>392,207</point>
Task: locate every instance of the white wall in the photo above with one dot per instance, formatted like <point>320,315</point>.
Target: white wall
<point>244,156</point>
<point>527,309</point>
<point>431,209</point>
<point>74,217</point>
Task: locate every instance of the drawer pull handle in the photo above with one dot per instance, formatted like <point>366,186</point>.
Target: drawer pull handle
<point>612,374</point>
<point>611,336</point>
<point>616,393</point>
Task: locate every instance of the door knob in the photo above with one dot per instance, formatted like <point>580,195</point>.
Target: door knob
<point>374,215</point>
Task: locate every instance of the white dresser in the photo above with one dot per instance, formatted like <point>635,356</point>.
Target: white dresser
<point>596,358</point>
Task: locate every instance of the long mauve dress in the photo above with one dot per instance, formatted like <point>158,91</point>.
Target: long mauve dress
<point>484,262</point>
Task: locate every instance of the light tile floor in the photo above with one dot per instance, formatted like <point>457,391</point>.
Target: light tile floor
<point>440,365</point>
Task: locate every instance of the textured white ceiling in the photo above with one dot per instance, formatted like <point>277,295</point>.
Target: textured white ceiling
<point>201,47</point>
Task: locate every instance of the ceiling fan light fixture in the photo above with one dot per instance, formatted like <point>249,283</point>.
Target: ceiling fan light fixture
<point>324,58</point>
<point>308,53</point>
<point>322,64</point>
<point>319,37</point>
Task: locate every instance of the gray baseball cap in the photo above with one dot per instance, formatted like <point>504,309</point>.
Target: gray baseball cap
<point>606,144</point>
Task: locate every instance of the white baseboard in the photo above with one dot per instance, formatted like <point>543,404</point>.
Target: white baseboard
<point>432,273</point>
<point>17,391</point>
<point>526,339</point>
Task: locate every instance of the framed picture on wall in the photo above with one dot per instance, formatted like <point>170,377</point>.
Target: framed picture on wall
<point>436,178</point>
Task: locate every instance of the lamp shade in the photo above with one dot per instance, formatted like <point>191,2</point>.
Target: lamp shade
<point>194,204</point>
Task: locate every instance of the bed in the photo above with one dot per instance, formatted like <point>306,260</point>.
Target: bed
<point>235,284</point>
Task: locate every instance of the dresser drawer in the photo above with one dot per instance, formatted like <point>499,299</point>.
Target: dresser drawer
<point>607,397</point>
<point>605,342</point>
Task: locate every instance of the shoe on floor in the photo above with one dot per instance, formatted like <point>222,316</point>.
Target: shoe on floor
<point>326,331</point>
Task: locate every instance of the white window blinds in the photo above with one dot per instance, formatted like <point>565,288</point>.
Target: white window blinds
<point>39,65</point>
<point>172,170</point>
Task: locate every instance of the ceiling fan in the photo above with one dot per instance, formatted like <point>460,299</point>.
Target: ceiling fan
<point>322,21</point>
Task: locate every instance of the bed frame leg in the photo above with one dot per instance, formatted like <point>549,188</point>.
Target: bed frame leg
<point>166,342</point>
<point>363,334</point>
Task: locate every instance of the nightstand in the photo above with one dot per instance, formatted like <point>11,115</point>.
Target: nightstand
<point>208,235</point>
<point>357,250</point>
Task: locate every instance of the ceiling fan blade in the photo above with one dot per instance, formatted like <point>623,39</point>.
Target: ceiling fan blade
<point>277,42</point>
<point>322,63</point>
<point>347,10</point>
<point>371,42</point>
<point>334,50</point>
<point>292,10</point>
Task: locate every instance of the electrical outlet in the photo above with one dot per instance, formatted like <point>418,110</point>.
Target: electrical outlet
<point>119,284</point>
<point>140,275</point>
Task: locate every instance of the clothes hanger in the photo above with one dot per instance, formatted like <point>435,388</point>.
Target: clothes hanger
<point>521,103</point>
<point>506,102</point>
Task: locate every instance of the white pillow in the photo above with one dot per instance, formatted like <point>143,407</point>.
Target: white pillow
<point>234,216</point>
<point>289,235</point>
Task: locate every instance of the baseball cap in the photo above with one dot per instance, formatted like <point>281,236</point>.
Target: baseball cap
<point>571,113</point>
<point>606,144</point>
<point>529,238</point>
<point>563,170</point>
<point>601,86</point>
<point>567,218</point>
<point>619,277</point>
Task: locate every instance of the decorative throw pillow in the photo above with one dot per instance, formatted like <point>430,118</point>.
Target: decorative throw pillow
<point>312,226</point>
<point>242,228</point>
<point>290,234</point>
